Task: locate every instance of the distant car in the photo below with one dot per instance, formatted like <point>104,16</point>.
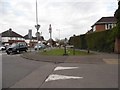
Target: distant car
<point>2,48</point>
<point>17,48</point>
<point>39,46</point>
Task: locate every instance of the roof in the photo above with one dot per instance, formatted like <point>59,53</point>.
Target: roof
<point>10,33</point>
<point>27,37</point>
<point>35,38</point>
<point>104,20</point>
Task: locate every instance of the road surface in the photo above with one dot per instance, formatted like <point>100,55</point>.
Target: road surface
<point>22,73</point>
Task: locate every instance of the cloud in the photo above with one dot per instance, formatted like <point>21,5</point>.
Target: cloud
<point>70,16</point>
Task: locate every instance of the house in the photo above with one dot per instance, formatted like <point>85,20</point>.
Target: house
<point>8,37</point>
<point>105,23</point>
<point>32,42</point>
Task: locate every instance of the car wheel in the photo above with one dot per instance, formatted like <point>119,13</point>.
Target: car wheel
<point>17,51</point>
<point>8,53</point>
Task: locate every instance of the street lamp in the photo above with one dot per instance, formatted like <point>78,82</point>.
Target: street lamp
<point>50,31</point>
<point>37,26</point>
<point>37,35</point>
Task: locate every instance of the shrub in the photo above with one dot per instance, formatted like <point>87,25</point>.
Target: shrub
<point>98,41</point>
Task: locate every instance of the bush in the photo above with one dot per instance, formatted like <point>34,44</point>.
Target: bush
<point>98,41</point>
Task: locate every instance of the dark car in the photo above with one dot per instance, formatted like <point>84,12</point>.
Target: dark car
<point>17,48</point>
<point>2,48</point>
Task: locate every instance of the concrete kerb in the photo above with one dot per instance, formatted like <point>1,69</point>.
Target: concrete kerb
<point>92,59</point>
<point>43,59</point>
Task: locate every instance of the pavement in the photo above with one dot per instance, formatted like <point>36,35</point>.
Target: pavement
<point>96,58</point>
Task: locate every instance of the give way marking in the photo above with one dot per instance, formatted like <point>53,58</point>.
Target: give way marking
<point>63,68</point>
<point>53,77</point>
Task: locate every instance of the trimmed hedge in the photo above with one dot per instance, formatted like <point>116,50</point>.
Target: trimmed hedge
<point>98,41</point>
<point>101,41</point>
<point>75,41</point>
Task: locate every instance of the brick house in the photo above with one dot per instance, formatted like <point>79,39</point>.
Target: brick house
<point>8,37</point>
<point>33,41</point>
<point>105,23</point>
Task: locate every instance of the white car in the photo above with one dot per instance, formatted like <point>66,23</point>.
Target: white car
<point>2,48</point>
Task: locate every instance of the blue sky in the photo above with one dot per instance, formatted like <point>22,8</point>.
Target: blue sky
<point>69,16</point>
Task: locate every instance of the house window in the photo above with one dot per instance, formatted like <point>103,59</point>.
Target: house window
<point>106,26</point>
<point>16,38</point>
<point>109,26</point>
<point>94,28</point>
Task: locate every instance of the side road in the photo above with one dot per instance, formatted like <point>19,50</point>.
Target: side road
<point>97,58</point>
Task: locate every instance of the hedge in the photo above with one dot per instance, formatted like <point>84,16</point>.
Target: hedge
<point>98,41</point>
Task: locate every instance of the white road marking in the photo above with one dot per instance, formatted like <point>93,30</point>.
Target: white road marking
<point>60,77</point>
<point>13,55</point>
<point>2,53</point>
<point>63,68</point>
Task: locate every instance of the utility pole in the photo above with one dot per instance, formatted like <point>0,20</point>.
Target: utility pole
<point>37,26</point>
<point>50,31</point>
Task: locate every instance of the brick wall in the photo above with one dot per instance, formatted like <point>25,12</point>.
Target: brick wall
<point>100,27</point>
<point>15,41</point>
<point>117,45</point>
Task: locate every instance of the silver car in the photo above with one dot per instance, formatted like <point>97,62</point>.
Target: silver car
<point>39,46</point>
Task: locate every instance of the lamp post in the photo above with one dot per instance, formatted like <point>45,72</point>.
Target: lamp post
<point>50,31</point>
<point>37,26</point>
<point>37,35</point>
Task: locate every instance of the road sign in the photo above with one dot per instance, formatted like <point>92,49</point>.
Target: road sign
<point>37,27</point>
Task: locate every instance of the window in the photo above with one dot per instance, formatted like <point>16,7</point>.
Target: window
<point>94,28</point>
<point>109,26</point>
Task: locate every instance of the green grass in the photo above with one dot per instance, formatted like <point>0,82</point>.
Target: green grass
<point>60,52</point>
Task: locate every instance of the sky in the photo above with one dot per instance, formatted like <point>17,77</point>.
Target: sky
<point>67,17</point>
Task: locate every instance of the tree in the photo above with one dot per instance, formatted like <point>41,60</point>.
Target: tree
<point>117,16</point>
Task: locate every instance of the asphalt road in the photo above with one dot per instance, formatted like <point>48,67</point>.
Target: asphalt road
<point>22,73</point>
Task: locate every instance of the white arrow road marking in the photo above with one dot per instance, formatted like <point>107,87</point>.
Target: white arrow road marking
<point>60,77</point>
<point>62,68</point>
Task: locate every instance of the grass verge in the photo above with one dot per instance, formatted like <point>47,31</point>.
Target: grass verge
<point>60,52</point>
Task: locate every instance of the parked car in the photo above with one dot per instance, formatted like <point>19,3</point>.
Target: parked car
<point>17,48</point>
<point>40,46</point>
<point>2,48</point>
